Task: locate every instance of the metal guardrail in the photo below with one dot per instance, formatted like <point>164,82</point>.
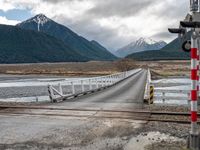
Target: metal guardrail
<point>84,86</point>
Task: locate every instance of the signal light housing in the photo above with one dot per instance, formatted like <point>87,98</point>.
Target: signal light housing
<point>177,30</point>
<point>186,46</point>
<point>188,24</point>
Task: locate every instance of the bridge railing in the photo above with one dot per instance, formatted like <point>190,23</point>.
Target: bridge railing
<point>172,92</point>
<point>173,95</point>
<point>80,87</point>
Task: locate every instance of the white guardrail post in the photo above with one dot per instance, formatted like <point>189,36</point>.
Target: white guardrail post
<point>78,86</point>
<point>90,85</point>
<point>73,89</point>
<point>82,86</point>
<point>60,89</point>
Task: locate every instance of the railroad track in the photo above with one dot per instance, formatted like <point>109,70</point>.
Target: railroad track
<point>171,117</point>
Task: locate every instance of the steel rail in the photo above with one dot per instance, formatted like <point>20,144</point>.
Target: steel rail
<point>133,115</point>
<point>104,110</point>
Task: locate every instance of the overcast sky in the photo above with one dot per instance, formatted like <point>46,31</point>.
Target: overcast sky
<point>113,23</point>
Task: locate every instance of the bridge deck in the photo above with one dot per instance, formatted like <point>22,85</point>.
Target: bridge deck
<point>125,95</point>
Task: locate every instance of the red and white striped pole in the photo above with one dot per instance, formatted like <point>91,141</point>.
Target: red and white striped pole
<point>198,58</point>
<point>197,71</point>
<point>194,134</point>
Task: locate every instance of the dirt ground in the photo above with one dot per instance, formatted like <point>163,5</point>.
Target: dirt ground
<point>88,133</point>
<point>95,68</point>
<point>59,133</point>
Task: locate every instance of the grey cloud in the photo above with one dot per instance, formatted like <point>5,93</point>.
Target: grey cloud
<point>174,11</point>
<point>59,1</point>
<point>164,35</point>
<point>93,31</point>
<point>86,26</point>
<point>119,8</point>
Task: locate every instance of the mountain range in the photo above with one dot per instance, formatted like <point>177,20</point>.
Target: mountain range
<point>171,51</point>
<point>142,44</point>
<point>40,39</point>
<point>91,50</point>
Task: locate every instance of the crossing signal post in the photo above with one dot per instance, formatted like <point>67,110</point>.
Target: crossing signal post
<point>192,24</point>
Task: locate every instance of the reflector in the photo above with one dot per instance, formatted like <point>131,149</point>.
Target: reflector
<point>186,46</point>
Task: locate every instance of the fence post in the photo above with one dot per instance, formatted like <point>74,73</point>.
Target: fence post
<point>118,78</point>
<point>96,83</point>
<point>163,93</point>
<point>60,89</point>
<point>106,81</point>
<point>73,89</point>
<point>97,80</point>
<point>90,85</point>
<point>112,79</point>
<point>102,82</point>
<point>110,83</point>
<point>51,94</point>
<point>82,86</point>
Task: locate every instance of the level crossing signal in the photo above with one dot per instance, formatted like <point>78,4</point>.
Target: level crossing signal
<point>192,21</point>
<point>190,27</point>
<point>182,36</point>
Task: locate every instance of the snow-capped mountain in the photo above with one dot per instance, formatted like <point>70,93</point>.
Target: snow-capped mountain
<point>142,44</point>
<point>75,42</point>
<point>39,19</point>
